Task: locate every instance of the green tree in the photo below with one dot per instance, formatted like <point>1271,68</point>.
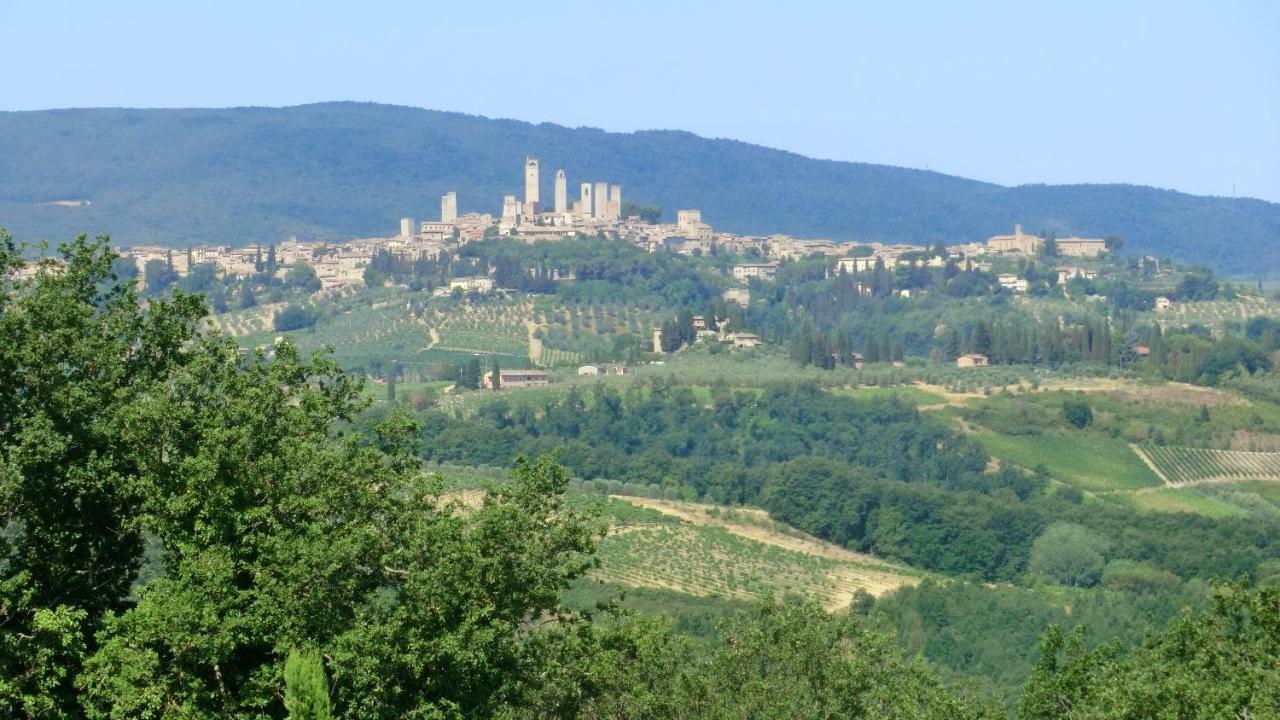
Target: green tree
<point>1078,413</point>
<point>78,355</point>
<point>1220,664</point>
<point>306,689</point>
<point>495,373</point>
<point>1068,554</point>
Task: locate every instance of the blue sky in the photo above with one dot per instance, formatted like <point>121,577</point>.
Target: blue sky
<point>1172,94</point>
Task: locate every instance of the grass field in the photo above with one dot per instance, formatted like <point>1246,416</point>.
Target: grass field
<point>1180,500</point>
<point>1089,462</point>
<point>909,393</point>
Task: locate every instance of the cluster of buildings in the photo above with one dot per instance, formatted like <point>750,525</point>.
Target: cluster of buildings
<point>595,209</point>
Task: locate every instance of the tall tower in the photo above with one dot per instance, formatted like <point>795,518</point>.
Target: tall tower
<point>449,207</point>
<point>562,193</point>
<point>586,199</point>
<point>406,227</point>
<point>600,210</point>
<point>530,182</point>
<point>615,202</point>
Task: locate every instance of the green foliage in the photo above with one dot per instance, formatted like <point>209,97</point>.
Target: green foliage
<point>792,661</point>
<point>1219,664</point>
<point>293,317</point>
<point>306,689</point>
<point>1068,554</point>
<point>1078,413</point>
<point>985,635</point>
<point>78,362</point>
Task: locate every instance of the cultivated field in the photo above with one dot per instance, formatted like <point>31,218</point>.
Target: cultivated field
<point>737,553</point>
<point>1187,466</point>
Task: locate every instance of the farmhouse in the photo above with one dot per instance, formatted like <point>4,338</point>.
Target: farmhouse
<point>972,360</point>
<point>589,370</point>
<point>517,379</point>
<point>472,284</point>
<point>763,271</point>
<point>618,369</point>
<point>745,340</point>
<point>1163,304</point>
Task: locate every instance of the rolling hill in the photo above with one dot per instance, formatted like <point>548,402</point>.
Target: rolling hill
<point>335,170</point>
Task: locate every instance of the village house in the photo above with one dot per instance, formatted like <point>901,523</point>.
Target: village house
<point>589,370</point>
<point>1012,282</point>
<point>1080,247</point>
<point>852,265</point>
<point>1066,274</point>
<point>972,360</point>
<point>1163,304</point>
<point>745,340</point>
<point>762,271</point>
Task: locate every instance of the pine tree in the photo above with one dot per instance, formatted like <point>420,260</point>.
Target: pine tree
<point>496,374</point>
<point>306,690</point>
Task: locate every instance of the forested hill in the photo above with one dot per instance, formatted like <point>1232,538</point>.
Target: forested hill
<point>346,169</point>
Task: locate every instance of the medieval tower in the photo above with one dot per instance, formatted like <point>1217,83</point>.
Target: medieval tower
<point>562,193</point>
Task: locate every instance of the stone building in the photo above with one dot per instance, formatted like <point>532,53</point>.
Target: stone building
<point>1017,242</point>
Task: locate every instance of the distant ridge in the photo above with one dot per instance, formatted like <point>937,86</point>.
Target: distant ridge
<point>336,170</point>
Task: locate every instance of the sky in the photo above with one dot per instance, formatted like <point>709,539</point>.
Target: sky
<point>1166,93</point>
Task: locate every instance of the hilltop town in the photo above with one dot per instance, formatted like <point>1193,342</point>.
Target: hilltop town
<point>597,210</point>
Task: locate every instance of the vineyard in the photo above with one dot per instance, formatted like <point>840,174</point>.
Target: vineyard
<point>711,561</point>
<point>734,553</point>
<point>1183,466</point>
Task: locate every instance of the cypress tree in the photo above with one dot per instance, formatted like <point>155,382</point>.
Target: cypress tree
<point>306,690</point>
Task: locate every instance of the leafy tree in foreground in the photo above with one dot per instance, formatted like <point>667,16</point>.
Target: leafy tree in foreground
<point>77,357</point>
<point>779,661</point>
<point>1223,664</point>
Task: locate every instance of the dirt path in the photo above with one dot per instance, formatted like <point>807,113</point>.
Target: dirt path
<point>535,345</point>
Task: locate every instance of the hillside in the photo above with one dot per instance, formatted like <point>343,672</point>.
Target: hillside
<point>345,169</point>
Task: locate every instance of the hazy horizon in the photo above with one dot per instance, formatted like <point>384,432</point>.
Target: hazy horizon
<point>1164,95</point>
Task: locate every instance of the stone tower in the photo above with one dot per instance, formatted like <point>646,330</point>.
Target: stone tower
<point>449,207</point>
<point>406,227</point>
<point>586,199</point>
<point>615,202</point>
<point>600,210</point>
<point>562,193</point>
<point>530,183</point>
